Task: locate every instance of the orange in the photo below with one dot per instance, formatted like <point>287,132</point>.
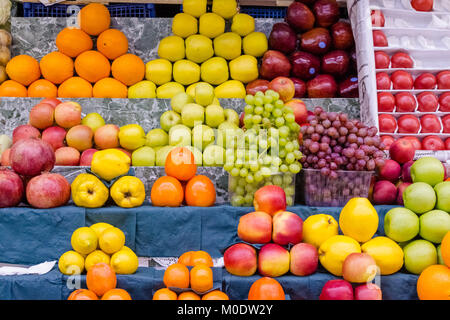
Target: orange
<point>266,289</point>
<point>445,249</point>
<point>185,258</point>
<point>180,164</point>
<point>215,295</point>
<point>200,192</point>
<point>167,192</point>
<point>189,295</point>
<point>176,275</point>
<point>75,87</point>
<point>73,41</point>
<point>116,294</point>
<point>92,66</point>
<point>101,278</point>
<point>56,67</point>
<point>434,283</point>
<point>94,19</point>
<point>23,69</point>
<point>82,294</point>
<point>109,88</point>
<point>201,278</point>
<point>201,257</point>
<point>112,43</point>
<point>42,89</point>
<point>165,294</point>
<point>128,69</point>
<point>11,88</point>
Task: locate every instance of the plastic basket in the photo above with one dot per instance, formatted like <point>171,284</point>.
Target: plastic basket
<point>125,10</point>
<point>265,12</point>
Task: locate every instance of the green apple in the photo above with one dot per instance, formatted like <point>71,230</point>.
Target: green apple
<point>179,100</point>
<point>161,155</point>
<point>93,120</point>
<point>429,170</point>
<point>226,134</point>
<point>419,197</point>
<point>418,255</point>
<point>180,136</point>
<point>443,195</point>
<point>131,137</point>
<point>157,138</point>
<point>144,156</point>
<point>439,253</point>
<point>213,155</point>
<point>204,94</point>
<point>202,136</point>
<point>198,156</point>
<point>5,143</point>
<point>231,116</point>
<point>434,225</point>
<point>169,119</point>
<point>142,90</point>
<point>192,114</point>
<point>401,224</point>
<point>214,115</point>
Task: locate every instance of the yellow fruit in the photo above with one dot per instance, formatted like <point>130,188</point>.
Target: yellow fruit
<point>99,227</point>
<point>318,228</point>
<point>228,45</point>
<point>359,219</point>
<point>199,48</point>
<point>387,254</point>
<point>244,69</point>
<point>190,90</point>
<point>204,94</point>
<point>111,240</point>
<point>93,120</point>
<point>84,240</point>
<point>131,136</point>
<point>184,25</point>
<point>124,261</point>
<point>142,90</point>
<point>110,163</point>
<point>71,263</point>
<point>186,72</point>
<point>194,7</point>
<point>211,25</point>
<point>88,191</point>
<point>171,48</point>
<point>230,89</point>
<point>95,257</point>
<point>158,71</point>
<point>334,250</point>
<point>225,8</point>
<point>168,90</point>
<point>255,44</point>
<point>128,192</point>
<point>243,24</point>
<point>214,71</point>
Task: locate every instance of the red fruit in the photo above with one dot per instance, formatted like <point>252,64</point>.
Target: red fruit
<point>447,144</point>
<point>25,131</point>
<point>377,18</point>
<point>304,65</point>
<point>401,60</point>
<point>427,101</point>
<point>368,291</point>
<point>383,81</point>
<point>274,64</point>
<point>300,17</point>
<point>348,88</point>
<point>444,102</point>
<point>300,111</point>
<point>387,123</point>
<point>430,124</point>
<point>257,85</point>
<point>402,80</point>
<point>342,35</point>
<point>31,157</point>
<point>11,188</point>
<point>284,86</point>
<point>337,290</point>
<point>405,102</point>
<point>384,192</point>
<point>282,38</point>
<point>400,189</point>
<point>326,12</point>
<point>443,79</point>
<point>335,62</point>
<point>241,260</point>
<point>322,86</point>
<point>316,41</point>
<point>379,39</point>
<point>387,141</point>
<point>402,151</point>
<point>446,123</point>
<point>433,143</point>
<point>270,199</point>
<point>408,124</point>
<point>422,5</point>
<point>415,142</point>
<point>386,102</point>
<point>48,190</point>
<point>382,60</point>
<point>300,87</point>
<point>390,171</point>
<point>425,81</point>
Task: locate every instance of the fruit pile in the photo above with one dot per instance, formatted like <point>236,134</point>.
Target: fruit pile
<point>315,49</point>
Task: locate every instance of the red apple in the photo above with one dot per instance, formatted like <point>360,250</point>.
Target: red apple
<point>359,268</point>
<point>5,160</point>
<point>390,171</point>
<point>382,60</point>
<point>406,171</point>
<point>337,290</point>
<point>287,228</point>
<point>402,80</point>
<point>257,85</point>
<point>446,123</point>
<point>51,101</point>
<point>304,259</point>
<point>427,101</point>
<point>304,65</point>
<point>326,12</point>
<point>300,111</point>
<point>383,81</point>
<point>80,137</point>
<point>11,188</point>
<point>425,81</point>
<point>30,157</point>
<point>86,157</point>
<point>255,227</point>
<point>415,142</point>
<point>55,136</point>
<point>384,192</point>
<point>400,189</point>
<point>316,41</point>
<point>401,60</point>
<point>402,151</point>
<point>444,102</point>
<point>379,39</point>
<point>433,143</point>
<point>430,124</point>
<point>68,114</point>
<point>422,5</point>
<point>386,102</point>
<point>368,291</point>
<point>342,35</point>
<point>443,80</point>
<point>274,64</point>
<point>273,260</point>
<point>300,17</point>
<point>25,131</point>
<point>387,141</point>
<point>348,88</point>
<point>240,260</point>
<point>42,116</point>
<point>335,62</point>
<point>284,86</point>
<point>447,144</point>
<point>282,38</point>
<point>67,156</point>
<point>377,18</point>
<point>48,190</point>
<point>300,87</point>
<point>408,124</point>
<point>405,102</point>
<point>387,123</point>
<point>322,86</point>
<point>270,199</point>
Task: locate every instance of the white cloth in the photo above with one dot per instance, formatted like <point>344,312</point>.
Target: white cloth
<point>40,269</point>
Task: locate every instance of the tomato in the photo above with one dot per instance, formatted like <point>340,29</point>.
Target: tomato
<point>377,18</point>
<point>446,123</point>
<point>427,101</point>
<point>408,124</point>
<point>386,102</point>
<point>387,123</point>
<point>444,102</point>
<point>379,39</point>
<point>433,143</point>
<point>381,60</point>
<point>401,60</point>
<point>425,81</point>
<point>443,80</point>
<point>405,102</point>
<point>415,142</point>
<point>430,124</point>
<point>447,147</point>
<point>422,5</point>
<point>383,81</point>
<point>402,80</point>
<point>387,141</point>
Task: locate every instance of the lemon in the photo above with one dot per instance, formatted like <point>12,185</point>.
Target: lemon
<point>142,90</point>
<point>168,90</point>
<point>186,72</point>
<point>159,71</point>
<point>359,219</point>
<point>71,263</point>
<point>214,71</point>
<point>99,227</point>
<point>199,48</point>
<point>334,250</point>
<point>111,240</point>
<point>228,45</point>
<point>110,163</point>
<point>171,48</point>
<point>244,68</point>
<point>255,44</point>
<point>387,254</point>
<point>204,94</point>
<point>225,8</point>
<point>318,228</point>
<point>243,24</point>
<point>184,25</point>
<point>95,257</point>
<point>230,89</point>
<point>211,25</point>
<point>84,240</point>
<point>124,261</point>
<point>194,7</point>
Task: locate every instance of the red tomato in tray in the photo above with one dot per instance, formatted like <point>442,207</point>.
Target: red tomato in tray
<point>422,5</point>
<point>387,141</point>
<point>377,18</point>
<point>408,124</point>
<point>425,81</point>
<point>443,80</point>
<point>430,124</point>
<point>379,38</point>
<point>401,60</point>
<point>427,101</point>
<point>447,147</point>
<point>387,123</point>
<point>402,80</point>
<point>383,81</point>
<point>405,102</point>
<point>446,124</point>
<point>386,102</point>
<point>433,143</point>
<point>444,102</point>
<point>381,60</point>
<point>415,142</point>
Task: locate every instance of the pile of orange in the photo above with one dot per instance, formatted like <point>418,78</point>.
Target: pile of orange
<point>199,278</point>
<point>101,281</point>
<point>77,69</point>
<point>266,288</point>
<point>181,183</point>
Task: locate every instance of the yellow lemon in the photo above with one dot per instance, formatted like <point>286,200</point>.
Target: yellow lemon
<point>84,240</point>
<point>199,48</point>
<point>99,227</point>
<point>318,228</point>
<point>95,257</point>
<point>184,25</point>
<point>88,191</point>
<point>225,8</point>
<point>186,72</point>
<point>255,44</point>
<point>243,24</point>
<point>71,263</point>
<point>211,25</point>
<point>110,163</point>
<point>142,90</point>
<point>387,254</point>
<point>230,89</point>
<point>334,250</point>
<point>171,48</point>
<point>194,7</point>
<point>168,90</point>
<point>111,240</point>
<point>124,261</point>
<point>244,68</point>
<point>228,45</point>
<point>359,219</point>
<point>214,71</point>
<point>158,71</point>
<point>128,192</point>
<point>131,136</point>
